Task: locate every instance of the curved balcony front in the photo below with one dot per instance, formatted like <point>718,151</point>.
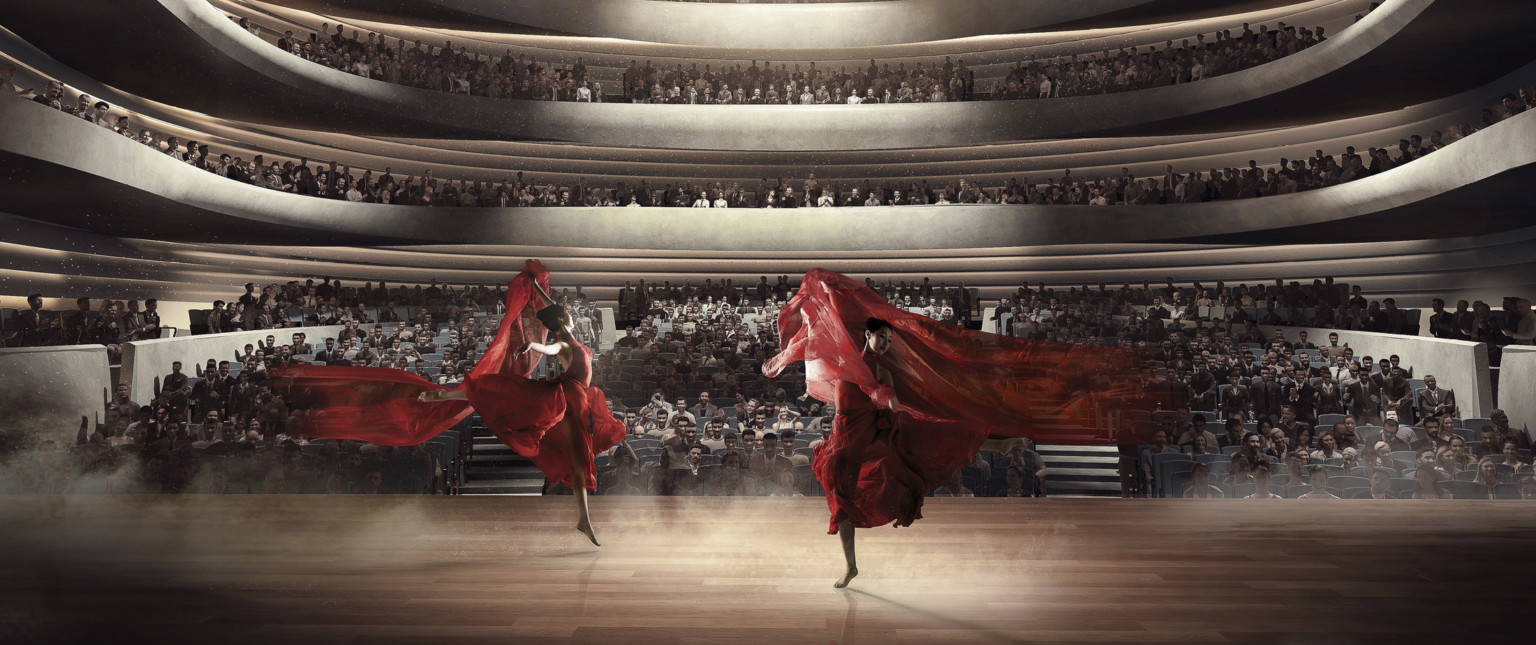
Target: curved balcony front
<point>992,165</point>
<point>46,258</point>
<point>1406,52</point>
<point>788,26</point>
<point>80,175</point>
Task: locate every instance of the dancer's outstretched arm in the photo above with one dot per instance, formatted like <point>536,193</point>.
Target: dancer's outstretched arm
<point>434,396</point>
<point>547,350</point>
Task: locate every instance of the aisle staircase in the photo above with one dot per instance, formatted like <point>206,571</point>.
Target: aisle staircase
<point>1081,471</point>
<point>493,468</point>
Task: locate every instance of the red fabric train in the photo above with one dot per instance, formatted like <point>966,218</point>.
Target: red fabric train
<point>957,387</point>
<point>380,406</point>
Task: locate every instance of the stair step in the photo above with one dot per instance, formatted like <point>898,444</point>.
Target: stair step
<point>502,487</point>
<point>1094,461</point>
<point>504,472</point>
<point>1069,470</point>
<point>1047,447</point>
<point>1062,487</point>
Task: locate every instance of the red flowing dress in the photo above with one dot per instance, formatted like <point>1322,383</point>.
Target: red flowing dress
<point>957,387</point>
<point>537,419</point>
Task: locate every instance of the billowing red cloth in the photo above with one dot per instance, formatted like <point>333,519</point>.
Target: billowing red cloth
<point>956,388</point>
<point>380,406</point>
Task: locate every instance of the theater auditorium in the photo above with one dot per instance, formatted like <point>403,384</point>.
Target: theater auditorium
<point>573,321</point>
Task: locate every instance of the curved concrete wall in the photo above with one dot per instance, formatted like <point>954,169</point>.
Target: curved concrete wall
<point>788,26</point>
<point>146,360</point>
<point>41,143</point>
<point>227,72</point>
<point>1516,374</point>
<point>1457,364</point>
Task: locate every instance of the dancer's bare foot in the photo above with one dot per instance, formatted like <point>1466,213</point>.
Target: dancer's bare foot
<point>432,396</point>
<point>847,577</point>
<point>586,529</point>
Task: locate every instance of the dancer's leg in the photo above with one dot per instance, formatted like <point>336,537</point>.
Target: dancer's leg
<point>845,533</point>
<point>433,396</point>
<point>579,484</point>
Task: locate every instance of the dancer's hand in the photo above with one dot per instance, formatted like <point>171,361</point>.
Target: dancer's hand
<point>523,347</point>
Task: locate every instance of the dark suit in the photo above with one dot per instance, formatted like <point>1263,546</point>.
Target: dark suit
<point>331,357</point>
<point>1437,402</point>
<point>212,393</point>
<point>1396,389</point>
<point>625,294</point>
<point>1235,399</point>
<point>1360,393</point>
<point>1328,398</point>
<point>1303,398</point>
<point>766,468</point>
<point>1267,397</point>
<point>31,329</point>
<point>1202,387</point>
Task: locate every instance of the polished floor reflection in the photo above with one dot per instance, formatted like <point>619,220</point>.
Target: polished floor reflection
<point>313,569</point>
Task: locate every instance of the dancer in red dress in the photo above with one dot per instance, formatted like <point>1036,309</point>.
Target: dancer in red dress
<point>917,398</point>
<point>560,425</point>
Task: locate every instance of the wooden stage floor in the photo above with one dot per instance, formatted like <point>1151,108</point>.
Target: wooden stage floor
<point>471,570</point>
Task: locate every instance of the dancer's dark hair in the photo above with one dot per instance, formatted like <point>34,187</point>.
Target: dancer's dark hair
<point>550,316</point>
<point>876,324</point>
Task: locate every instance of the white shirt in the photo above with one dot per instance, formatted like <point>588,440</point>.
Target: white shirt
<point>721,203</point>
<point>1526,330</point>
<point>1322,495</point>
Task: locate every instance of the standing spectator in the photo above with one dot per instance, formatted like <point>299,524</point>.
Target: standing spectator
<point>1159,446</point>
<point>1026,471</point>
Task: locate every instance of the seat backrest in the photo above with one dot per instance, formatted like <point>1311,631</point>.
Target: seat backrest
<point>1349,481</point>
<point>1466,489</point>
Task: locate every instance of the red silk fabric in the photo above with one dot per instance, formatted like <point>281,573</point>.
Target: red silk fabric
<point>379,405</point>
<point>956,388</point>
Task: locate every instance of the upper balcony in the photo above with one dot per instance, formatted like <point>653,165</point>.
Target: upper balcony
<point>80,175</point>
<point>1408,51</point>
<point>820,25</point>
